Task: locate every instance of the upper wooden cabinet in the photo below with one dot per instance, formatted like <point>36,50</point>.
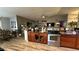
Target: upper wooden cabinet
<point>68,41</point>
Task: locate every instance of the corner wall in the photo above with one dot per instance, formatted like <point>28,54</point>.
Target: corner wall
<point>23,21</point>
<point>5,23</point>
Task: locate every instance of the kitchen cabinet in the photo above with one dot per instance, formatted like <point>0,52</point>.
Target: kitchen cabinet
<point>31,36</point>
<point>77,42</point>
<point>43,38</point>
<point>68,41</point>
<point>37,37</point>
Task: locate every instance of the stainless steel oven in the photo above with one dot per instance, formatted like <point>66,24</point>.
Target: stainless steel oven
<point>54,39</point>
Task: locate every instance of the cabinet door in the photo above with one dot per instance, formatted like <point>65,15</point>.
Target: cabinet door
<point>43,38</point>
<point>29,36</point>
<point>68,41</point>
<point>33,38</point>
<point>77,42</point>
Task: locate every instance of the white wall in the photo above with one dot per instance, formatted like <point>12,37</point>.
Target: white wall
<point>74,16</point>
<point>57,18</point>
<point>0,24</point>
<point>23,21</point>
<point>5,23</point>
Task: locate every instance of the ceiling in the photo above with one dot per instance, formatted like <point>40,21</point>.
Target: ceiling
<point>34,13</point>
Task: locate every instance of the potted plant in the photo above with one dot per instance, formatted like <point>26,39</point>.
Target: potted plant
<point>73,24</point>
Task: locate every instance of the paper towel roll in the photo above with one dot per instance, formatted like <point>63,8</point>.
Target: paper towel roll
<point>26,35</point>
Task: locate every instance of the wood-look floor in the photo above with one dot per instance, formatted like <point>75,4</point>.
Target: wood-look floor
<point>20,44</point>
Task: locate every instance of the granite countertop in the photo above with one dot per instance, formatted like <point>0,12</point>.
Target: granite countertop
<point>68,34</point>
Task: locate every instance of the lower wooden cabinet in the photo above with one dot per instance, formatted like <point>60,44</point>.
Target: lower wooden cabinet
<point>77,42</point>
<point>38,37</point>
<point>43,38</point>
<point>31,36</point>
<point>71,41</point>
<point>68,41</point>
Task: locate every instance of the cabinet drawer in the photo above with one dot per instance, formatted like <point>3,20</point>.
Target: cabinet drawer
<point>77,43</point>
<point>66,44</point>
<point>43,38</point>
<point>68,39</point>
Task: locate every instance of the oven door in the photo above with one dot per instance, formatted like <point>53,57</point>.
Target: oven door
<point>54,39</point>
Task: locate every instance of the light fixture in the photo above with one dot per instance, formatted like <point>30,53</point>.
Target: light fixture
<point>43,17</point>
